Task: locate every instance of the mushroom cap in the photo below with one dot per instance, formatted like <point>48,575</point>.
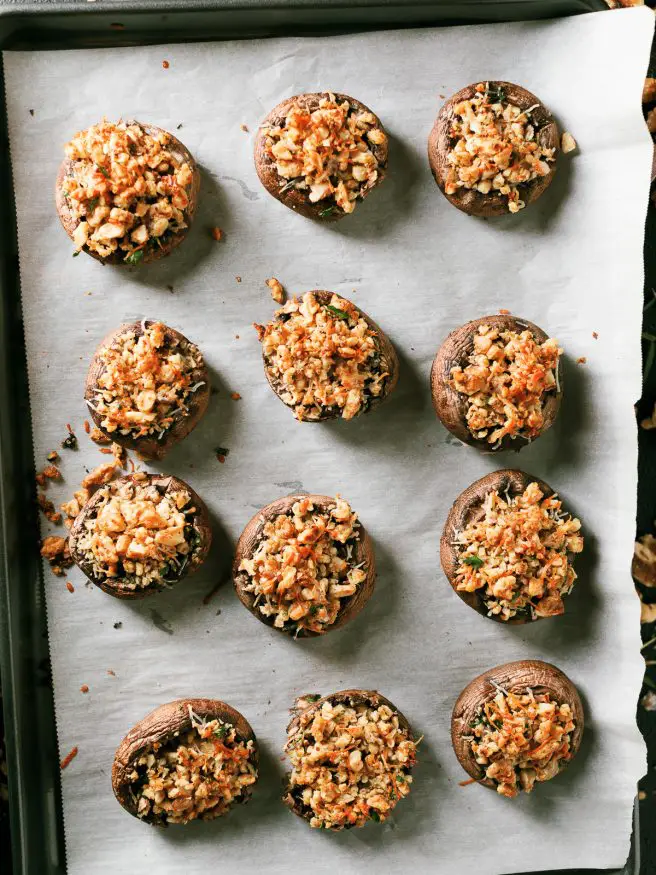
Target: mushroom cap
<point>451,405</point>
<point>541,677</point>
<point>371,698</point>
<point>151,253</point>
<point>467,508</point>
<point>160,726</point>
<point>114,586</point>
<point>291,197</point>
<point>251,536</point>
<point>440,142</point>
<point>389,361</point>
<point>150,446</point>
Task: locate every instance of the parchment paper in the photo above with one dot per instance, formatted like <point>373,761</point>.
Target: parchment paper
<point>572,263</point>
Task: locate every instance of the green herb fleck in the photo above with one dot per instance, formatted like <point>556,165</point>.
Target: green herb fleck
<point>327,212</point>
<point>103,171</point>
<point>474,561</point>
<point>495,93</point>
<point>76,253</point>
<point>222,731</point>
<point>312,697</point>
<point>374,815</point>
<point>93,203</point>
<point>336,311</point>
<point>400,779</point>
<point>134,257</point>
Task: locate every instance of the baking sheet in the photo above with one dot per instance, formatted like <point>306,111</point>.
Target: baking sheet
<point>572,263</point>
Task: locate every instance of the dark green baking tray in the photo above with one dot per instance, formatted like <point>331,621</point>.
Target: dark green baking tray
<point>35,809</point>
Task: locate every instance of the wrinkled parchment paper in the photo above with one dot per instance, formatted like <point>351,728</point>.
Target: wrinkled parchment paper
<point>572,263</point>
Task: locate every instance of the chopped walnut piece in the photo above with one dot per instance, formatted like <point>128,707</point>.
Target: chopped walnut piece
<point>100,475</point>
<point>84,688</point>
<point>495,148</point>
<point>519,739</point>
<point>197,774</point>
<point>301,569</point>
<point>567,142</point>
<point>323,357</point>
<point>99,437</point>
<point>48,508</point>
<point>53,456</point>
<point>506,381</point>
<point>55,550</point>
<point>518,554</point>
<point>326,154</point>
<point>127,188</point>
<point>277,291</point>
<point>351,763</point>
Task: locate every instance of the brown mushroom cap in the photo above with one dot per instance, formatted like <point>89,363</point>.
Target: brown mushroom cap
<point>115,586</point>
<point>468,508</point>
<point>291,197</point>
<point>150,446</point>
<point>160,726</point>
<point>251,536</point>
<point>515,677</point>
<point>440,143</point>
<point>389,361</point>
<point>151,252</point>
<point>371,698</point>
<point>451,405</point>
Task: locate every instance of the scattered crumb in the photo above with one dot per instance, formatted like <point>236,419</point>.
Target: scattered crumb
<point>649,90</point>
<point>84,688</point>
<point>567,142</point>
<point>70,756</point>
<point>111,672</point>
<point>48,508</point>
<point>118,625</point>
<point>87,427</point>
<point>100,475</point>
<point>70,442</point>
<point>216,233</point>
<point>595,335</point>
<point>221,453</point>
<point>235,396</point>
<point>171,289</point>
<point>442,96</point>
<point>236,337</point>
<point>53,456</point>
<point>244,128</point>
<point>55,550</point>
<point>166,65</point>
<point>52,472</point>
<point>177,127</point>
<point>238,278</point>
<point>31,112</point>
<point>98,437</point>
<point>582,360</point>
<point>69,586</point>
<point>504,312</point>
<point>277,291</point>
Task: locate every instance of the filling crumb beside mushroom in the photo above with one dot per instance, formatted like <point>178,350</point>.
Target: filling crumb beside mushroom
<point>351,763</point>
<point>494,147</point>
<point>139,535</point>
<point>147,382</point>
<point>506,381</point>
<point>198,774</point>
<point>519,739</point>
<point>302,567</point>
<point>127,188</point>
<point>326,153</point>
<point>323,358</point>
<point>518,554</point>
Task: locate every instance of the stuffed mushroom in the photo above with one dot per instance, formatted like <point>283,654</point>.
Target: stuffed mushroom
<point>497,382</point>
<point>305,565</point>
<point>517,725</point>
<point>492,149</point>
<point>320,154</point>
<point>508,546</point>
<point>126,192</point>
<point>147,387</point>
<point>192,759</point>
<point>140,534</point>
<point>352,755</point>
<point>326,359</point>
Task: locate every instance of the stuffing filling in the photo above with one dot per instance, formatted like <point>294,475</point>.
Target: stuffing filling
<point>127,189</point>
<point>198,774</point>
<point>326,154</point>
<point>506,381</point>
<point>140,535</point>
<point>518,554</point>
<point>519,739</point>
<point>324,358</point>
<point>147,383</point>
<point>494,147</point>
<point>351,763</point>
<point>302,567</point>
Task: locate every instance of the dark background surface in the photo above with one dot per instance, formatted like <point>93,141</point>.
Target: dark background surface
<point>646,517</point>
